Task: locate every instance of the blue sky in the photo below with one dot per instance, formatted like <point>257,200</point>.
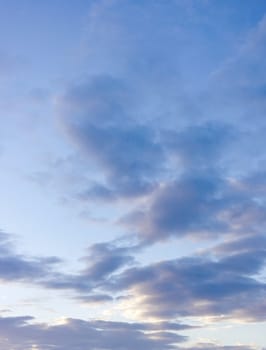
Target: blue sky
<point>132,150</point>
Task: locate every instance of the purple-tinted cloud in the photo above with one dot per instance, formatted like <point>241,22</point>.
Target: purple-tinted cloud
<point>94,116</point>
<point>20,333</point>
<point>23,332</point>
<point>199,286</point>
<point>15,267</point>
<point>202,204</point>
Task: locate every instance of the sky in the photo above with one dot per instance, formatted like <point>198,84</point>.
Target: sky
<point>133,175</point>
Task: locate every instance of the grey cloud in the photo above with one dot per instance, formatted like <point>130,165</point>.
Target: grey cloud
<point>223,282</point>
<point>113,125</point>
<point>179,208</point>
<point>202,145</point>
<point>23,332</point>
<point>254,183</point>
<point>112,115</point>
<point>95,298</point>
<point>212,346</point>
<point>20,333</point>
<point>96,119</point>
<point>133,154</point>
<point>134,159</point>
<point>125,153</point>
<point>198,204</point>
<point>248,244</point>
<point>104,259</point>
<point>152,326</point>
<point>198,286</point>
<point>101,263</point>
<point>17,267</point>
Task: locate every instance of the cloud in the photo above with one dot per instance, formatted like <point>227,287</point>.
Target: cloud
<point>221,282</point>
<point>183,207</point>
<point>22,333</point>
<point>201,146</point>
<point>15,267</point>
<point>213,346</point>
<point>102,261</point>
<point>133,92</point>
<point>126,151</point>
<point>133,157</point>
<point>249,244</point>
<point>128,118</point>
<point>199,204</point>
<point>106,258</point>
<point>94,299</point>
<point>222,286</point>
<point>164,122</point>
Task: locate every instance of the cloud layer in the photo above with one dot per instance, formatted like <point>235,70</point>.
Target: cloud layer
<point>160,134</point>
